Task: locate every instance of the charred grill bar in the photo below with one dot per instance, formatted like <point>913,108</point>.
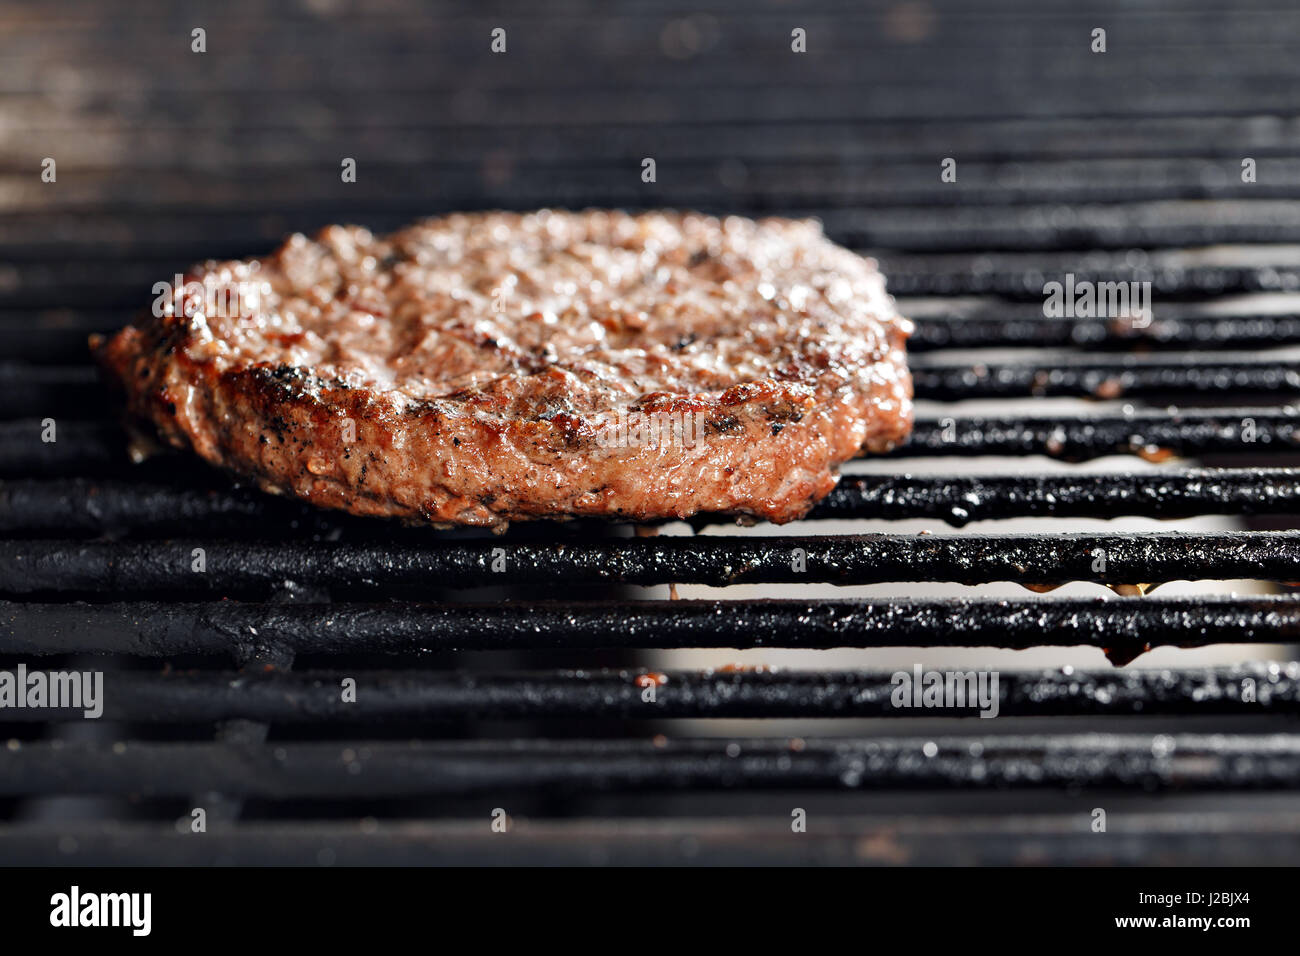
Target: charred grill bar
<point>34,389</point>
<point>1124,628</point>
<point>91,506</point>
<point>234,568</point>
<point>315,771</point>
<point>413,695</point>
<point>845,840</point>
<point>92,447</point>
<point>63,342</point>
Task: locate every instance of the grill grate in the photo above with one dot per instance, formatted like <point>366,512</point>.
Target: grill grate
<point>94,506</point>
<point>1031,559</point>
<point>480,689</point>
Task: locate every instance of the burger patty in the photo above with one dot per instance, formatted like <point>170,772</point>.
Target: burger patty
<point>481,368</point>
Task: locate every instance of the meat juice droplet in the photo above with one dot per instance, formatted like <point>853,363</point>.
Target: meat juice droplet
<point>1110,389</point>
<point>1121,657</point>
<point>1155,454</point>
<point>1133,590</point>
<point>1040,588</point>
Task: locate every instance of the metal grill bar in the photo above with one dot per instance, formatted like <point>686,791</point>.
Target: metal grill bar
<point>77,505</point>
<point>1247,431</point>
<point>1251,836</point>
<point>80,447</point>
<point>802,187</point>
<point>1174,274</point>
<point>28,341</point>
<point>1268,213</point>
<point>85,448</point>
<point>1034,138</point>
<point>1123,628</point>
<point>960,499</point>
<point>26,337</point>
<point>43,390</point>
<point>86,506</point>
<point>378,769</point>
<point>808,185</point>
<point>1038,559</point>
<point>180,237</point>
<point>1034,330</point>
<point>311,698</point>
<point>1125,377</point>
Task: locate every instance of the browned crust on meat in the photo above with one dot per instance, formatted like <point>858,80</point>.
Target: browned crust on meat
<point>770,446</point>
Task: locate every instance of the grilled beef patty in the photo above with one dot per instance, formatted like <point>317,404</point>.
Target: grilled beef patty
<point>476,369</point>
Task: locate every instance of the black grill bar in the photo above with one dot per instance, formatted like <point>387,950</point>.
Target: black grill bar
<point>1252,836</point>
<point>76,505</point>
<point>990,139</point>
<point>1124,628</point>
<point>311,698</point>
<point>27,235</point>
<point>1032,330</point>
<point>99,447</point>
<point>80,447</point>
<point>40,390</point>
<point>960,499</point>
<point>1033,559</point>
<point>28,338</point>
<point>1128,376</point>
<point>86,506</point>
<point>1174,274</point>
<point>1156,436</point>
<point>311,771</point>
<point>61,344</point>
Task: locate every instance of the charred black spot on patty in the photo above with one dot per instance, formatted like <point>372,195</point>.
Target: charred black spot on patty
<point>723,425</point>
